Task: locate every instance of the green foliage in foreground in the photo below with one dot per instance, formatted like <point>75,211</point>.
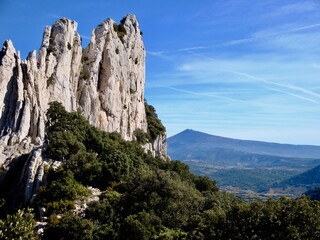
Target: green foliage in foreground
<point>147,198</point>
<point>18,226</point>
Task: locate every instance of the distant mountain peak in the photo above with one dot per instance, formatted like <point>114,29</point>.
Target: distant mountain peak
<point>191,140</point>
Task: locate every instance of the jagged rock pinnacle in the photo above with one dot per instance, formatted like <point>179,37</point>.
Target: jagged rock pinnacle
<point>104,81</point>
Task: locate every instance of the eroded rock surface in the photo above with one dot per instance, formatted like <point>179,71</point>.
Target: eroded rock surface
<point>104,81</point>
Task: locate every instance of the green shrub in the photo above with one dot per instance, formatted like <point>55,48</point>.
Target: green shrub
<point>86,167</point>
<point>60,206</point>
<point>120,30</point>
<point>62,185</point>
<point>141,226</point>
<point>146,198</point>
<point>20,225</point>
<point>155,127</point>
<point>117,165</point>
<point>71,226</point>
<point>140,136</point>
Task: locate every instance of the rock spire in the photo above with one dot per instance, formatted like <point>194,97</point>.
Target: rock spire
<point>104,81</point>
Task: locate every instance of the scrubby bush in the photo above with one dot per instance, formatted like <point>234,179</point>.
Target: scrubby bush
<point>20,226</point>
<point>144,197</point>
<point>155,127</point>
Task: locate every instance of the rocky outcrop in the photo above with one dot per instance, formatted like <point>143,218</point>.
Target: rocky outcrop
<point>33,173</point>
<point>111,86</point>
<point>104,81</point>
<point>27,87</point>
<point>158,147</point>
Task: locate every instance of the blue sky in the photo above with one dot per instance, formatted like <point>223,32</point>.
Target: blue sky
<point>242,69</point>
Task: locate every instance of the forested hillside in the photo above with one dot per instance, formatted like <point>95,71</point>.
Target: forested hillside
<point>249,169</point>
<point>99,186</point>
<point>309,179</point>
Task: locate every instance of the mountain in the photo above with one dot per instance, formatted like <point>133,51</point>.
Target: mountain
<point>63,176</point>
<point>98,186</point>
<point>244,165</point>
<point>104,82</point>
<point>224,152</point>
<point>314,194</point>
<point>191,144</point>
<point>309,179</point>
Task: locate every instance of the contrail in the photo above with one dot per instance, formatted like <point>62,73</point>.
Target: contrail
<point>292,94</point>
<point>254,38</point>
<point>292,87</point>
<point>205,94</point>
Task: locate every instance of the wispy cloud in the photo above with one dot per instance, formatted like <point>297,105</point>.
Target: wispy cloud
<point>287,86</point>
<point>280,37</point>
<point>204,69</point>
<point>163,53</point>
<point>190,49</point>
<point>305,27</point>
<point>316,66</point>
<point>272,55</point>
<point>156,53</point>
<point>294,95</point>
<point>281,74</point>
<point>294,8</point>
<point>271,34</point>
<point>212,95</point>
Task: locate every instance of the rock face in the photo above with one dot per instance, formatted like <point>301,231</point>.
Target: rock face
<point>111,86</point>
<point>104,81</point>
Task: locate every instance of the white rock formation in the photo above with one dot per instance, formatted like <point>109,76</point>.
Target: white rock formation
<point>105,81</point>
<point>33,173</point>
<point>112,80</point>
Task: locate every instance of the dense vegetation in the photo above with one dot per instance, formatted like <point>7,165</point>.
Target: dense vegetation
<point>257,180</point>
<point>310,178</point>
<point>143,197</point>
<point>155,127</point>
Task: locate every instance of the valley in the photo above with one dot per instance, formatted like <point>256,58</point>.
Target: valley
<point>249,169</point>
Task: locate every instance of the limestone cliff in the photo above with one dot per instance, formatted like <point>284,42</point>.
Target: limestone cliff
<point>111,86</point>
<point>104,81</point>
